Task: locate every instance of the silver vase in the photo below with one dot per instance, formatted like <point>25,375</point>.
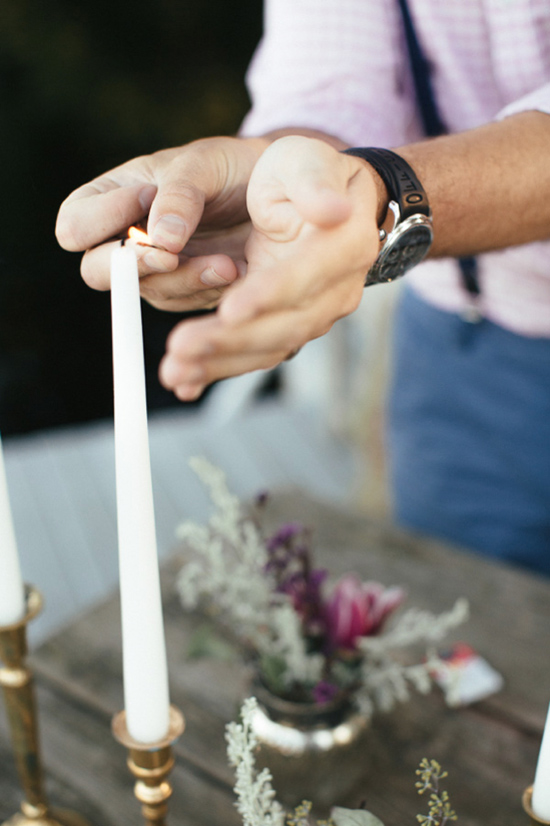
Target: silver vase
<point>314,752</point>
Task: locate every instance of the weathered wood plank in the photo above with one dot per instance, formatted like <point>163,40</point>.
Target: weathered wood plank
<point>490,749</point>
<point>85,661</point>
<point>86,771</point>
<point>489,765</point>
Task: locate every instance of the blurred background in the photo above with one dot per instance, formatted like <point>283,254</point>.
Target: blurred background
<point>84,87</point>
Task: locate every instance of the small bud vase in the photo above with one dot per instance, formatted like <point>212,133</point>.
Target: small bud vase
<point>315,752</point>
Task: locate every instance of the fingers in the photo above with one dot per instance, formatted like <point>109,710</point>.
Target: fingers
<point>204,174</point>
<point>192,386</point>
<point>307,212</point>
<point>201,351</point>
<point>96,263</point>
<point>322,262</point>
<point>107,207</point>
<point>93,214</point>
<point>172,186</point>
<point>314,237</point>
<point>298,180</point>
<point>197,283</point>
<point>167,281</point>
<point>258,294</point>
<point>176,210</point>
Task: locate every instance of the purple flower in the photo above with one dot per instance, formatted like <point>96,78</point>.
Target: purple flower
<point>261,498</point>
<point>358,609</point>
<point>324,692</point>
<point>305,592</point>
<point>289,563</point>
<point>284,535</point>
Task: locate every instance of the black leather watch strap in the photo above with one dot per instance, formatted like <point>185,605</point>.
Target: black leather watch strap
<point>402,184</point>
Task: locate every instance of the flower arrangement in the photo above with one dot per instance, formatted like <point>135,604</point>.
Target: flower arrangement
<point>309,642</point>
<point>256,798</point>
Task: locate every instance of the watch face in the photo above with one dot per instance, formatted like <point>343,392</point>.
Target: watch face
<point>406,246</point>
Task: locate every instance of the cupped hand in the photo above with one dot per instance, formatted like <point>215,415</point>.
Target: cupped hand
<point>193,202</point>
<point>313,239</point>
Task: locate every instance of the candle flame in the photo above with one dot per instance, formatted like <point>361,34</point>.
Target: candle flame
<point>139,236</point>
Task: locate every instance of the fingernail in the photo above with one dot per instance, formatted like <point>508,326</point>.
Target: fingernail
<point>147,196</point>
<point>210,278</point>
<point>170,231</point>
<point>155,262</point>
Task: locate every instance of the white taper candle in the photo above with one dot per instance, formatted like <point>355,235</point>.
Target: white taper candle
<point>12,591</point>
<point>146,697</point>
<point>540,800</point>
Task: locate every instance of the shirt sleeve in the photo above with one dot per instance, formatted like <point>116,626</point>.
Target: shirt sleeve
<point>539,100</point>
<point>337,66</point>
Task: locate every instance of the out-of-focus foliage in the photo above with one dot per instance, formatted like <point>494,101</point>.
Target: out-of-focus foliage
<point>83,87</point>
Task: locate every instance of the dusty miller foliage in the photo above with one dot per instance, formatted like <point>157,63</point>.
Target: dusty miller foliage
<point>229,572</point>
<point>386,681</point>
<point>257,800</point>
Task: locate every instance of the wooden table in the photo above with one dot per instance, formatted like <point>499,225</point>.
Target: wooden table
<point>490,749</point>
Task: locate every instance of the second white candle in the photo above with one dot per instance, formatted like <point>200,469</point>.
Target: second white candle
<point>540,800</point>
<point>146,697</point>
<point>12,594</point>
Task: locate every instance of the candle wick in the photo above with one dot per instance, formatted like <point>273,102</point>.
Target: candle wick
<point>122,241</point>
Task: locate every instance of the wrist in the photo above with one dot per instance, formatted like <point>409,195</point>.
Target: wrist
<point>410,236</point>
<point>382,194</point>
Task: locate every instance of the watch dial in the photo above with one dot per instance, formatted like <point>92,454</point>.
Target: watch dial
<point>401,254</point>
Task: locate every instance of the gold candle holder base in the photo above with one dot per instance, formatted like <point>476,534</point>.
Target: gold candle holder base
<point>151,764</point>
<point>16,681</point>
<point>526,801</point>
<point>35,816</point>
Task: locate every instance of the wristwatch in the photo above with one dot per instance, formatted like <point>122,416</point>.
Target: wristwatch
<point>410,238</point>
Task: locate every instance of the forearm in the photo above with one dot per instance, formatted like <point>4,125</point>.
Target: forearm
<point>489,188</point>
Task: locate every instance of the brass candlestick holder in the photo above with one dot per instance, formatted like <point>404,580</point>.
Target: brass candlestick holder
<point>151,764</point>
<point>18,689</point>
<point>526,801</point>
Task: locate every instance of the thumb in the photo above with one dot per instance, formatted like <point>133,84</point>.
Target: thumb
<point>184,186</point>
<point>302,176</point>
<point>175,214</point>
<point>319,203</point>
<point>94,213</point>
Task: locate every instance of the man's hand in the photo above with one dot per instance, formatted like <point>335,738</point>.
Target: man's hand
<point>314,237</point>
<point>194,201</point>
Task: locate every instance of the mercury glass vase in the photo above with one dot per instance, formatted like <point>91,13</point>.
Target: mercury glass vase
<point>314,752</point>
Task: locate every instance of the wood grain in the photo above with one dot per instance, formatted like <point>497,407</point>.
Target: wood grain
<point>490,749</point>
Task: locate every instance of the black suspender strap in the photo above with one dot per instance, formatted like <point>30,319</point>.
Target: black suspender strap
<point>429,113</point>
<point>433,125</point>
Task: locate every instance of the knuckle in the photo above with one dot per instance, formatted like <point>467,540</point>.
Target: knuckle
<point>179,181</point>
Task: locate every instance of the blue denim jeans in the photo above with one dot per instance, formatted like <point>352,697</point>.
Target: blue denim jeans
<point>469,434</point>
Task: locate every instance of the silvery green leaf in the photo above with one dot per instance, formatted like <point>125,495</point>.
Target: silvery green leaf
<point>205,642</point>
<point>353,817</point>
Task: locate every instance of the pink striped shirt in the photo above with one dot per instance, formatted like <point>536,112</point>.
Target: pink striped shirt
<point>341,66</point>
